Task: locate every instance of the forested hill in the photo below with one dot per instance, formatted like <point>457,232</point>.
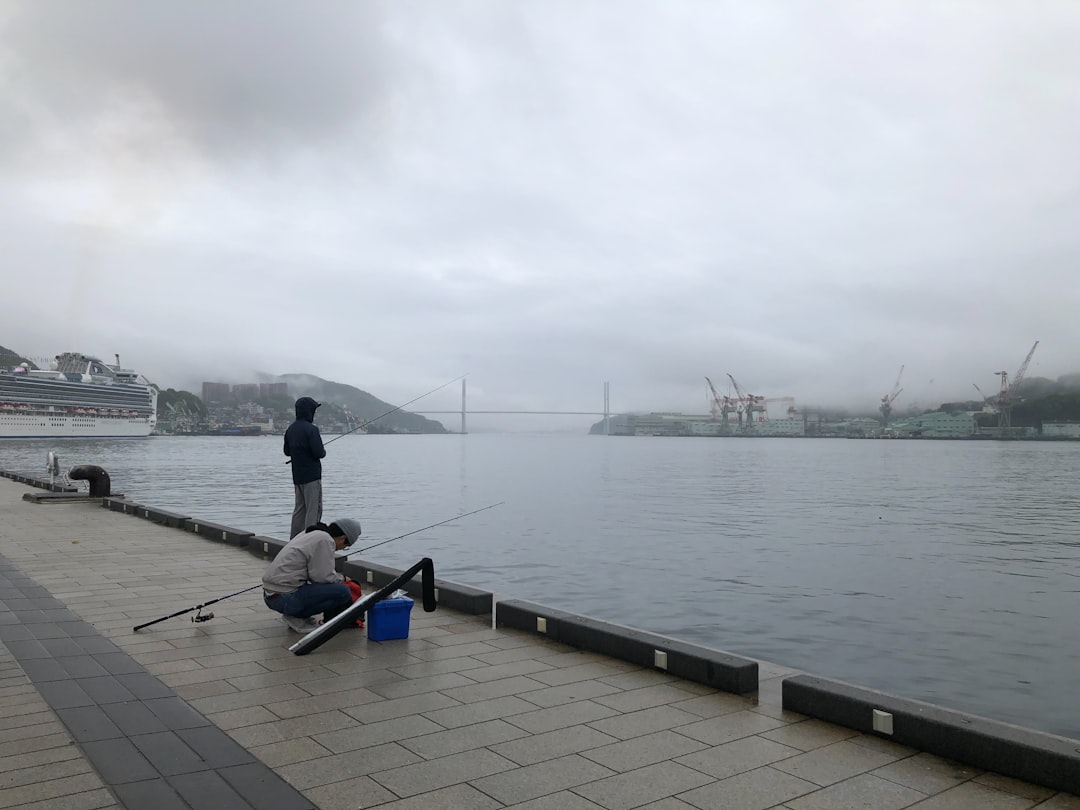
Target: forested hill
<point>362,405</point>
<point>9,359</point>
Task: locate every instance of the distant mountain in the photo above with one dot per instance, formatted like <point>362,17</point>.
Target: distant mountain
<point>361,404</point>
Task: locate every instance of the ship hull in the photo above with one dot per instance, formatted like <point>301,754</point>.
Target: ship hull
<point>15,425</point>
<point>82,398</point>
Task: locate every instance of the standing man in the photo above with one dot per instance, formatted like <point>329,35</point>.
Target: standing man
<point>304,445</point>
<point>302,581</point>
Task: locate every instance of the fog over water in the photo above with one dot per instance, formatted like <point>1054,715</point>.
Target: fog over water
<point>546,194</point>
<point>946,571</point>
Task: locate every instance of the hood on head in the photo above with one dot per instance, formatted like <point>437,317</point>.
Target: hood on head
<point>305,408</point>
<point>345,526</point>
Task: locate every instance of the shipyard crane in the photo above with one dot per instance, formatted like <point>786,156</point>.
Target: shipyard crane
<point>888,400</point>
<point>720,404</point>
<point>987,401</point>
<point>1010,390</point>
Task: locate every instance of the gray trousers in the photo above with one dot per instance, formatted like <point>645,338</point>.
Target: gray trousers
<point>308,509</point>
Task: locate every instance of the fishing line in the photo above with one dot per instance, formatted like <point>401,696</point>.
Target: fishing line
<point>392,410</point>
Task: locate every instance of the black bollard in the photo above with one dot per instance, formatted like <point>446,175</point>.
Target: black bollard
<point>98,478</point>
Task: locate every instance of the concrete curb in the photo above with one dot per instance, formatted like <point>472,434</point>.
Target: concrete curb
<point>1032,756</point>
<point>717,669</point>
<point>40,483</point>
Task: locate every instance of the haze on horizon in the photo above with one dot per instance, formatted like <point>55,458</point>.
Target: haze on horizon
<point>546,195</point>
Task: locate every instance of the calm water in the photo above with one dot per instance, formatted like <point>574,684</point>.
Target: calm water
<point>943,571</point>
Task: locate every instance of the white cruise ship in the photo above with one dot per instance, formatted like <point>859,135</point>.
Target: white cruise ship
<point>81,396</point>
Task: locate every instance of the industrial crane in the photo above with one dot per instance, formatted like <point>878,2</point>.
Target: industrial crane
<point>721,404</point>
<point>890,398</point>
<point>1011,389</point>
<point>987,401</point>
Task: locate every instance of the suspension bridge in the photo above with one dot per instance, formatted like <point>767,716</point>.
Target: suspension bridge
<point>464,411</point>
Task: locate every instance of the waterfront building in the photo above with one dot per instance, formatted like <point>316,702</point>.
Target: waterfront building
<point>1061,430</point>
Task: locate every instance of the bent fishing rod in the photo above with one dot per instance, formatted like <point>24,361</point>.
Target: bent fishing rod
<point>200,617</point>
<point>364,424</point>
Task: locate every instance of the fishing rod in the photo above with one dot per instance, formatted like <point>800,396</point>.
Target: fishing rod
<point>200,617</point>
<point>417,531</point>
<point>392,410</point>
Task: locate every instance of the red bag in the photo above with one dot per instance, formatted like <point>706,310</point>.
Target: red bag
<point>354,589</point>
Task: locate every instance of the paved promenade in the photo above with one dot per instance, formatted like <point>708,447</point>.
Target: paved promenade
<point>220,715</point>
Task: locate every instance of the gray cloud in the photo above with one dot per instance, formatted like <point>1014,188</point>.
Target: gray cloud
<point>547,195</point>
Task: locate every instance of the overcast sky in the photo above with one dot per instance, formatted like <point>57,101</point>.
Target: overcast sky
<point>546,195</point>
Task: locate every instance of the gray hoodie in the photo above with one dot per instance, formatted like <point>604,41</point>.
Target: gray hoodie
<point>308,557</point>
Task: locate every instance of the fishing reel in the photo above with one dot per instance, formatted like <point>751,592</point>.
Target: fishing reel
<point>202,617</point>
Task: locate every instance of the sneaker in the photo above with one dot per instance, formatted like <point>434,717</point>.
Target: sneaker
<point>301,625</point>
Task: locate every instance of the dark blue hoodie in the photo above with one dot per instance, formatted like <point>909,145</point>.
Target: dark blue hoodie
<point>304,445</point>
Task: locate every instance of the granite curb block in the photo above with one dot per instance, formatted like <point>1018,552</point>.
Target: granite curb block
<point>452,595</point>
<point>720,670</point>
<point>1032,756</point>
<point>219,532</point>
<point>118,503</point>
<point>40,483</point>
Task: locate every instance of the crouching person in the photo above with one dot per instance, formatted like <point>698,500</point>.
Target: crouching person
<point>301,581</point>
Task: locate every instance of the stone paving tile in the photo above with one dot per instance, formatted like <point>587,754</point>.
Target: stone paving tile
<point>752,790</point>
<point>736,757</point>
<point>563,800</point>
<point>289,752</point>
<point>649,784</point>
<point>500,671</point>
<point>728,727</point>
<point>646,697</point>
<point>714,704</point>
<point>646,721</point>
<point>807,735</point>
<point>424,669</point>
<point>402,687</point>
<point>459,651</point>
<point>472,692</point>
<point>570,714</point>
<point>570,693</point>
<point>864,790</point>
<point>1009,785</point>
<point>533,781</point>
<point>641,751</point>
<point>43,771</point>
<point>926,773</point>
<point>469,713</point>
<point>1062,801</point>
<point>53,789</point>
<point>352,794</point>
<point>534,748</point>
<point>303,704</point>
<point>338,767</point>
<point>973,795</point>
<point>400,707</point>
<point>100,799</point>
<point>832,763</point>
<point>368,679</point>
<point>638,678</point>
<point>479,735</point>
<point>434,774</point>
<point>457,797</point>
<point>594,670</point>
<point>357,736</point>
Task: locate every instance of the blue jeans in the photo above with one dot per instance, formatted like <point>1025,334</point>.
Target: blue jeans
<point>307,600</point>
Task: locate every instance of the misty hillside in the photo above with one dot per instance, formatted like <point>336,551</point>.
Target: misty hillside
<point>8,358</point>
<point>361,404</point>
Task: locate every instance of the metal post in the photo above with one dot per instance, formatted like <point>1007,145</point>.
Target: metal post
<point>607,408</point>
<point>463,407</point>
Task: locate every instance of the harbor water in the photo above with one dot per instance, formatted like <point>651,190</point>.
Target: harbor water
<point>945,571</point>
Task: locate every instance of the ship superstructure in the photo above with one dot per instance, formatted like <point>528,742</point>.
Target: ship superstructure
<point>80,396</point>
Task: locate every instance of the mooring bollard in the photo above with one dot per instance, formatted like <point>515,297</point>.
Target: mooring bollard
<point>98,478</point>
